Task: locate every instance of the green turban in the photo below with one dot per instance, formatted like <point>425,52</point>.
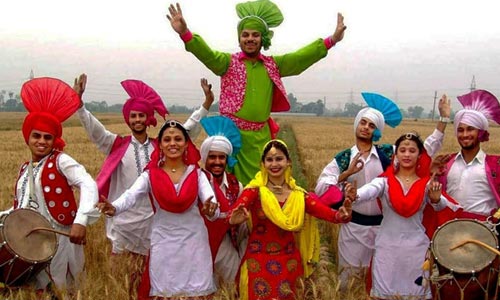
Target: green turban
<point>259,15</point>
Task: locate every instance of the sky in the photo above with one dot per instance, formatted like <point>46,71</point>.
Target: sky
<point>408,51</point>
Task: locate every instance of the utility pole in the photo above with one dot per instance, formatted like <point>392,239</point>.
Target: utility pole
<point>434,105</point>
<point>473,83</point>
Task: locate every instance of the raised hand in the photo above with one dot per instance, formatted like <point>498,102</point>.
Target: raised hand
<point>239,215</point>
<point>79,86</point>
<point>356,164</point>
<point>338,35</point>
<point>176,19</point>
<point>209,95</point>
<point>444,106</point>
<point>435,189</point>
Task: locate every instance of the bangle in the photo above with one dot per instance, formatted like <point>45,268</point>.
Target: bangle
<point>444,119</point>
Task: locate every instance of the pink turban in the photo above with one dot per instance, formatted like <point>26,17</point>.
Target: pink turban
<point>143,99</point>
<point>479,107</point>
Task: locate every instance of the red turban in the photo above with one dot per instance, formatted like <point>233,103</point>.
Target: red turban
<point>49,102</point>
<point>44,122</point>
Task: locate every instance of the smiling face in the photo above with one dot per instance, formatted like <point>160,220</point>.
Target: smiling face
<point>250,42</point>
<point>137,121</point>
<point>40,144</point>
<point>276,162</point>
<point>468,137</point>
<point>216,163</point>
<point>173,143</point>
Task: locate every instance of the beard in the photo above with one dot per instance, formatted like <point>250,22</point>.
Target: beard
<point>138,131</point>
<point>470,146</point>
<point>217,174</point>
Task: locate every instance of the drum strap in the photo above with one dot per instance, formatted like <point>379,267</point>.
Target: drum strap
<point>32,201</point>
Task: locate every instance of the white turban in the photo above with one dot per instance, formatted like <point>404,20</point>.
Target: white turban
<point>215,143</point>
<point>371,114</point>
<point>472,118</point>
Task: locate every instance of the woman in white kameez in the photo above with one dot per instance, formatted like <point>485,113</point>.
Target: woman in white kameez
<point>404,190</point>
<point>180,262</point>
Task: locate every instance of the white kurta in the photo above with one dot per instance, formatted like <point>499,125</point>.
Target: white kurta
<point>400,247</point>
<point>131,230</point>
<point>356,242</point>
<point>69,260</point>
<point>180,262</point>
<point>468,184</point>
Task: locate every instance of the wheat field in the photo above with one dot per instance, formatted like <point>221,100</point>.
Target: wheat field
<point>317,140</point>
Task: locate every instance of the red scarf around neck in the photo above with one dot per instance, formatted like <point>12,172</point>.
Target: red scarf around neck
<point>409,204</point>
<point>164,192</point>
<point>406,205</point>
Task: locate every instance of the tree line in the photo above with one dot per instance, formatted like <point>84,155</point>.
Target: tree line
<point>11,102</point>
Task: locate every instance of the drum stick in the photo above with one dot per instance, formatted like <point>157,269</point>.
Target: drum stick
<point>478,243</point>
<point>48,229</point>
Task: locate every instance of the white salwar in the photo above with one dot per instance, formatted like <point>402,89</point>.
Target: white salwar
<point>131,230</point>
<point>180,262</point>
<point>67,264</point>
<point>400,246</point>
<point>227,261</point>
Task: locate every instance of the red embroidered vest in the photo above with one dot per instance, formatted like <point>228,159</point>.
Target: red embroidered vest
<point>58,194</point>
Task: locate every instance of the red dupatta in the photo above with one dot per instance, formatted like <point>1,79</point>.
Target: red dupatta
<point>409,204</point>
<point>163,188</point>
<point>165,194</point>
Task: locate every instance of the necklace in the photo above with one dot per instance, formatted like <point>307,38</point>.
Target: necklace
<point>175,169</point>
<point>276,188</point>
<point>407,179</point>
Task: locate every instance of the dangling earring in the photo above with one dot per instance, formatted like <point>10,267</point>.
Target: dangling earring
<point>396,163</point>
<point>185,156</point>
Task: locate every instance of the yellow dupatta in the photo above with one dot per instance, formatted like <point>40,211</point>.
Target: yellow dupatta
<point>290,217</point>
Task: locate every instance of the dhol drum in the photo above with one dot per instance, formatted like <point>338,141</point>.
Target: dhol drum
<point>24,253</point>
<point>469,271</point>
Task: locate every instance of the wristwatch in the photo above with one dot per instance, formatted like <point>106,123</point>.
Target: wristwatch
<point>444,119</point>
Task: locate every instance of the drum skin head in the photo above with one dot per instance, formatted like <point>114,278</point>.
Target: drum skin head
<point>39,246</point>
<point>468,258</point>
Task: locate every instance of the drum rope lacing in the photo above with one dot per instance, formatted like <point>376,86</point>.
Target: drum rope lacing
<point>439,281</point>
